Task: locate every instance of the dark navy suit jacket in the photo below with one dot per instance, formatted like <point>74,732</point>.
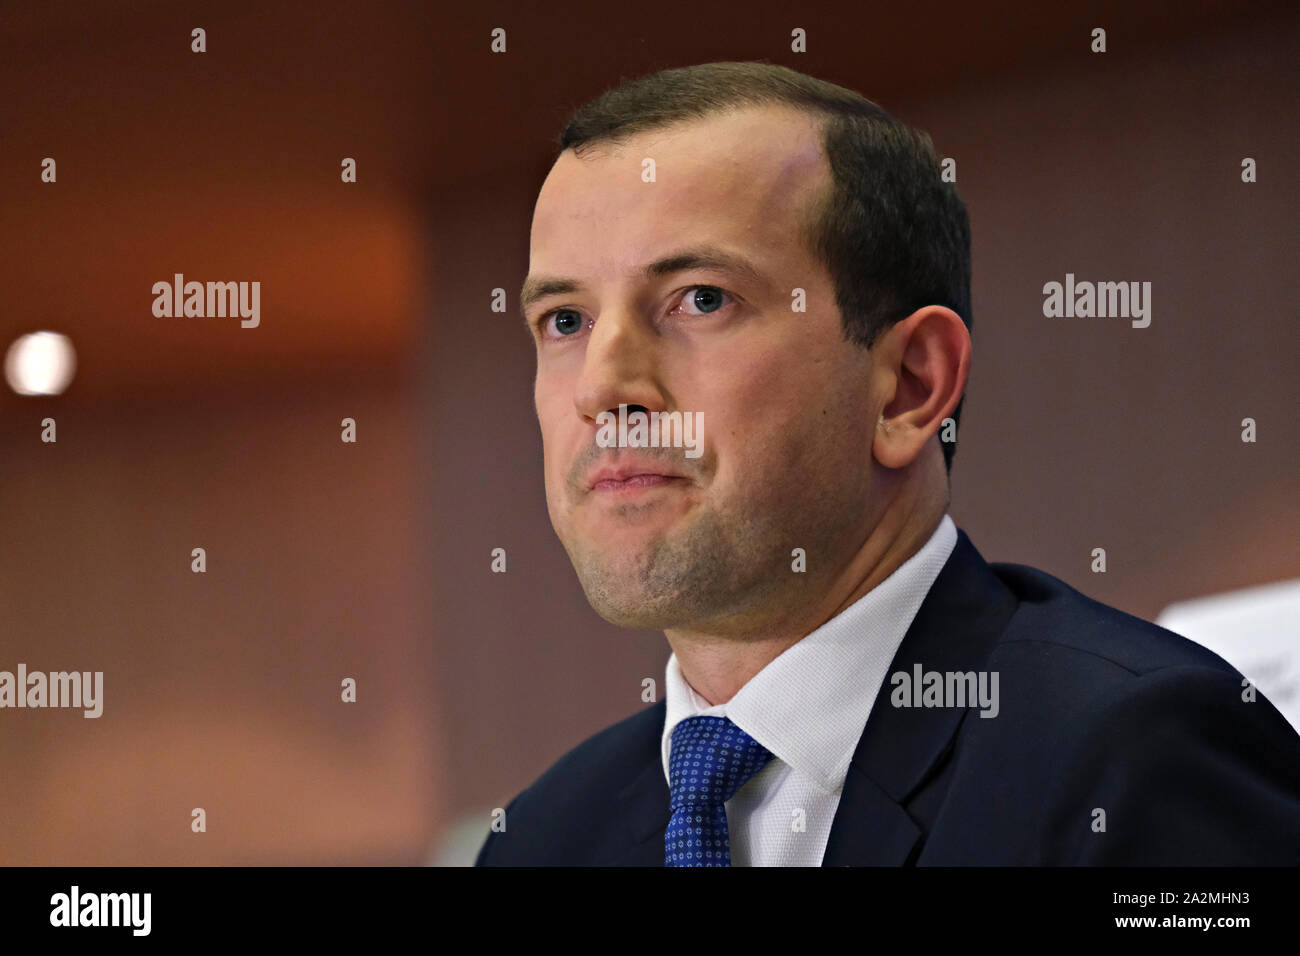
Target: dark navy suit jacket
<point>1098,710</point>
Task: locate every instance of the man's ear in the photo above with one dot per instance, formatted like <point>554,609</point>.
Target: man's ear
<point>925,358</point>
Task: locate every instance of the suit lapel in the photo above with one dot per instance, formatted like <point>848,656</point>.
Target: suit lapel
<point>643,803</point>
<point>955,628</point>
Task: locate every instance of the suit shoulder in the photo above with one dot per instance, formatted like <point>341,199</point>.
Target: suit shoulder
<point>1064,623</point>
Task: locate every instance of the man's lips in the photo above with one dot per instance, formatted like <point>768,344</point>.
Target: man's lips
<point>634,482</point>
<point>629,476</point>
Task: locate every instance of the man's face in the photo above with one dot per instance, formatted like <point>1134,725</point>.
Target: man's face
<point>698,543</point>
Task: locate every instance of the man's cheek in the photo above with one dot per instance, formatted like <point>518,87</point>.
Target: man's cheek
<point>782,438</point>
<point>764,410</point>
<point>753,460</point>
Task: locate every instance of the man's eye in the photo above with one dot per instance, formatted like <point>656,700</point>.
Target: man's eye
<point>706,298</point>
<point>564,321</point>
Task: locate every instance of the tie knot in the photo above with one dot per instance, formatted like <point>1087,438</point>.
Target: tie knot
<point>710,759</point>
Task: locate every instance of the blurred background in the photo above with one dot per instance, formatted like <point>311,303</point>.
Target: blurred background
<point>371,560</point>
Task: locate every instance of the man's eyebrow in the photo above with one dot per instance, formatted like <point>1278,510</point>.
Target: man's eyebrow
<point>697,257</point>
<point>539,287</point>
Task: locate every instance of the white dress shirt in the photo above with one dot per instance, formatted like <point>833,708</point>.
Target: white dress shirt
<point>809,707</point>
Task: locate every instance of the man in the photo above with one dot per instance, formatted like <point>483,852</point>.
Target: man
<point>850,682</point>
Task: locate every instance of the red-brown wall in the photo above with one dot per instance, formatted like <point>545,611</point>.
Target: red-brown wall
<point>371,560</point>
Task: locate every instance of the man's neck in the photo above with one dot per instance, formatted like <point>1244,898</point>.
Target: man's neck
<point>717,666</point>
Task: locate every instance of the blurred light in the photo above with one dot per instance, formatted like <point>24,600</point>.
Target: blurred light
<point>40,363</point>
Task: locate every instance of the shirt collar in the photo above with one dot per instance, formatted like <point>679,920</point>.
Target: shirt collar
<point>810,704</point>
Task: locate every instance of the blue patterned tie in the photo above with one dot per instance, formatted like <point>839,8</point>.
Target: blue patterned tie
<point>710,759</point>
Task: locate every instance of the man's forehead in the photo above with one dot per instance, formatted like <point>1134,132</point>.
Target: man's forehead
<point>747,175</point>
<point>766,146</point>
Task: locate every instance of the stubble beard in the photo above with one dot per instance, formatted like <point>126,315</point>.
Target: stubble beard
<point>715,567</point>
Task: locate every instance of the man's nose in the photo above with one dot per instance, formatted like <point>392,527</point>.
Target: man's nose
<point>620,367</point>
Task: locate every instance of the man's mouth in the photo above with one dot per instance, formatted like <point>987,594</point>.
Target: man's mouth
<point>631,475</point>
<point>636,482</point>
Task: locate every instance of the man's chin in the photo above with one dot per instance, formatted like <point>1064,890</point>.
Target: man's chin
<point>640,617</point>
<point>645,584</point>
<point>640,611</point>
<point>626,601</point>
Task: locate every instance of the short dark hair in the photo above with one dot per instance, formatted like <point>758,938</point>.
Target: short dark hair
<point>893,235</point>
